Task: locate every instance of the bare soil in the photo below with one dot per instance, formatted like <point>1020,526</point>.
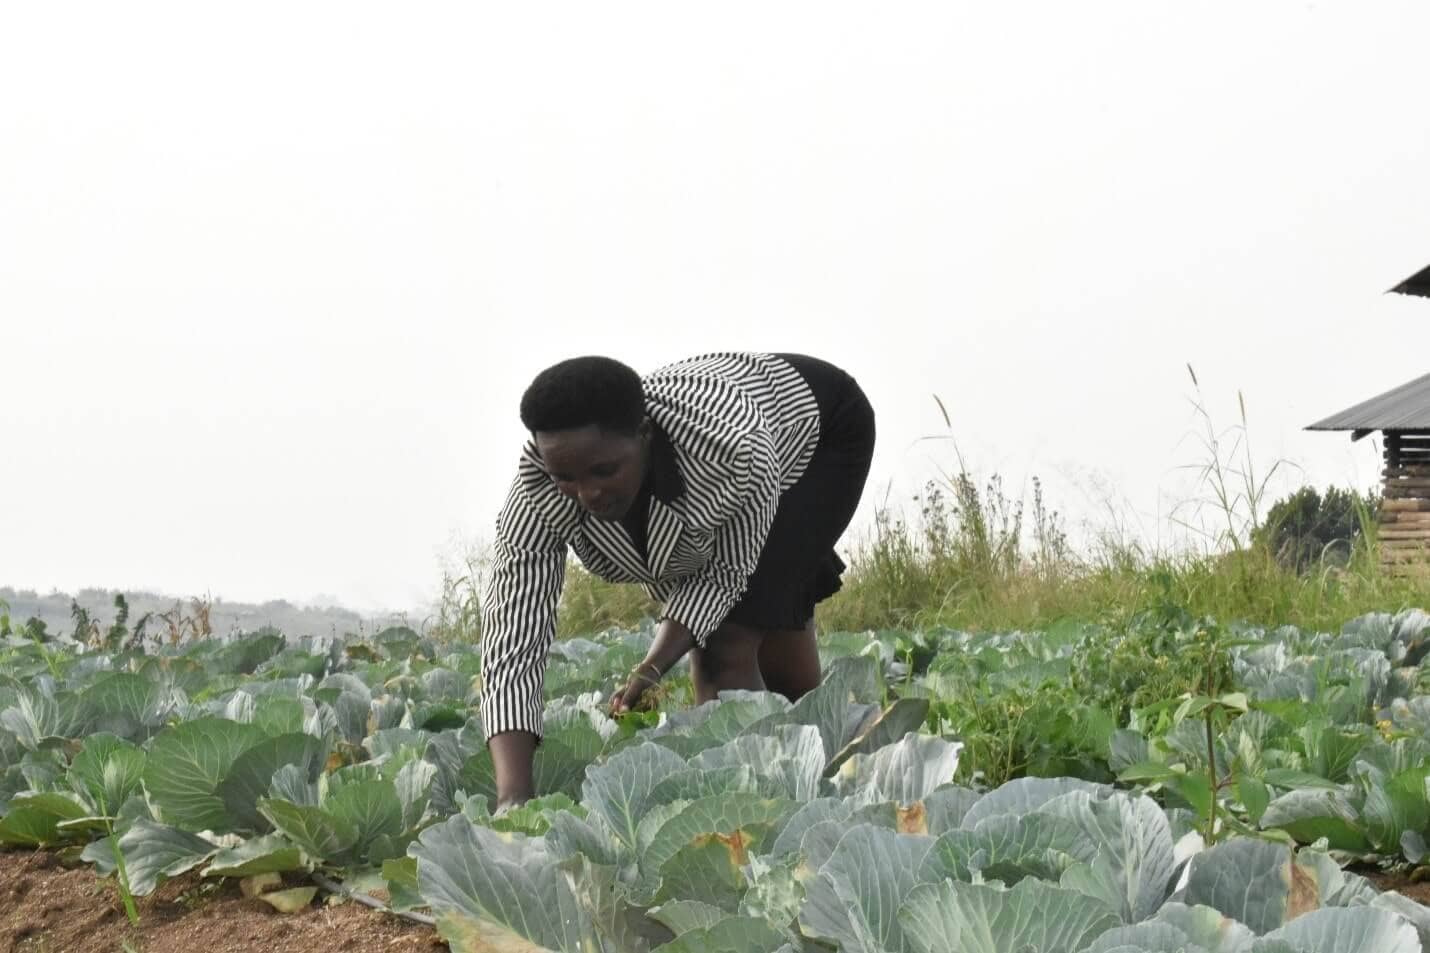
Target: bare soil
<point>1403,882</point>
<point>46,907</point>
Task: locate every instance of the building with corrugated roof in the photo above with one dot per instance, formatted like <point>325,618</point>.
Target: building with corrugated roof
<point>1402,415</point>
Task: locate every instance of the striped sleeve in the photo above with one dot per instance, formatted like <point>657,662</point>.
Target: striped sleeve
<point>519,616</point>
<point>746,510</point>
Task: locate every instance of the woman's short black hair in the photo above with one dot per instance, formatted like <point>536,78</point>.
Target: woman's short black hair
<point>583,391</point>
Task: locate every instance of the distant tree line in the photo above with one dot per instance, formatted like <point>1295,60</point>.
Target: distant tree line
<point>107,615</point>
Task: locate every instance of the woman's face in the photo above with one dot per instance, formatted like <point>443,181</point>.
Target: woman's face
<point>600,470</point>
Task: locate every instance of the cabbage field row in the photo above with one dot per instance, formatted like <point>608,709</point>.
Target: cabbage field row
<point>1157,784</point>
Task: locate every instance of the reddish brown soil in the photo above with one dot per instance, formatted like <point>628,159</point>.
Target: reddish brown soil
<point>46,907</point>
<point>1402,883</point>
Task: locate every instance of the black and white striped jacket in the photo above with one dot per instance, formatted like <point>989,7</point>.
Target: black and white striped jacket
<point>732,431</point>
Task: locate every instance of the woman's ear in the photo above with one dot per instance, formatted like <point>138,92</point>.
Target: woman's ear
<point>645,429</point>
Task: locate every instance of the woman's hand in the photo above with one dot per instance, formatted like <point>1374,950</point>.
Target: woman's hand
<point>643,676</point>
<point>672,641</point>
<point>512,754</point>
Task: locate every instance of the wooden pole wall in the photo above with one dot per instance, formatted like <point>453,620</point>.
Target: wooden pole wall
<point>1405,506</point>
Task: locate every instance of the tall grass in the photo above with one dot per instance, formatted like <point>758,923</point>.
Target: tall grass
<point>898,580</point>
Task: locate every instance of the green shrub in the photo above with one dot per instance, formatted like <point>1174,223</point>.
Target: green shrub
<point>1306,529</point>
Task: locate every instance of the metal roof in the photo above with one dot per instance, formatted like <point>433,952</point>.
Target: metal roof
<point>1416,284</point>
<point>1406,407</point>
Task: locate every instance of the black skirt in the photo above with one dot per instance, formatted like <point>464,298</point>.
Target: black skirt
<point>798,566</point>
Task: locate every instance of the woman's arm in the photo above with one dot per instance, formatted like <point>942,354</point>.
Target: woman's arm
<point>743,512</point>
<point>672,641</point>
<point>697,607</point>
<point>744,508</point>
<point>518,624</point>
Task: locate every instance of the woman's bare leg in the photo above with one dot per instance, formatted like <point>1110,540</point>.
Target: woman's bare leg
<point>730,659</point>
<point>740,656</point>
<point>789,661</point>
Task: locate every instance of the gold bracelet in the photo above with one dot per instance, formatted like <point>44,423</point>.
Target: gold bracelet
<point>637,673</point>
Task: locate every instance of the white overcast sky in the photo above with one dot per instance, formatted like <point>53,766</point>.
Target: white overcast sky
<point>273,275</point>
